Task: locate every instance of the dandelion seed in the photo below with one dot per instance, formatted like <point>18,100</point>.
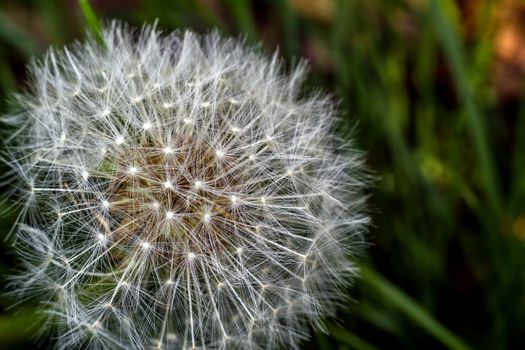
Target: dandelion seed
<point>106,112</point>
<point>95,325</point>
<point>136,99</point>
<point>119,140</point>
<point>101,237</point>
<point>133,170</point>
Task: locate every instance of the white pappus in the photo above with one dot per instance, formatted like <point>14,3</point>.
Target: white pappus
<point>179,191</point>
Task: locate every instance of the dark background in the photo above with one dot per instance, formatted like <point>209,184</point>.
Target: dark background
<point>433,91</point>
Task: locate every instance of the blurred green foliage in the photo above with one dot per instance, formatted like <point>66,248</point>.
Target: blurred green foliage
<point>444,133</point>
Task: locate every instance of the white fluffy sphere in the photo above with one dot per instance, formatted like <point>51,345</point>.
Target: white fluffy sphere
<point>180,192</point>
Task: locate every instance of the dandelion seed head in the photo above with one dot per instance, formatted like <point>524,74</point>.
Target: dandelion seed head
<point>239,196</point>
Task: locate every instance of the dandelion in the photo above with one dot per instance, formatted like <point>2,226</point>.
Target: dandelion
<point>179,192</point>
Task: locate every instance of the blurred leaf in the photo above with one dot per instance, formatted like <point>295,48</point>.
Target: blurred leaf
<point>17,328</point>
<point>454,53</point>
<point>396,297</point>
<point>92,20</point>
<point>317,9</point>
<point>7,79</point>
<point>16,36</point>
<point>53,13</point>
<point>290,27</point>
<point>350,339</point>
<point>242,13</point>
<point>322,342</point>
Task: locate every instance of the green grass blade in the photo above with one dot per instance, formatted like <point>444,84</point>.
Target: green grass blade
<point>322,341</point>
<point>454,53</point>
<point>7,79</point>
<point>290,27</point>
<point>242,12</point>
<point>349,339</point>
<point>17,328</point>
<point>397,298</point>
<point>52,13</point>
<point>92,20</point>
<point>17,36</point>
